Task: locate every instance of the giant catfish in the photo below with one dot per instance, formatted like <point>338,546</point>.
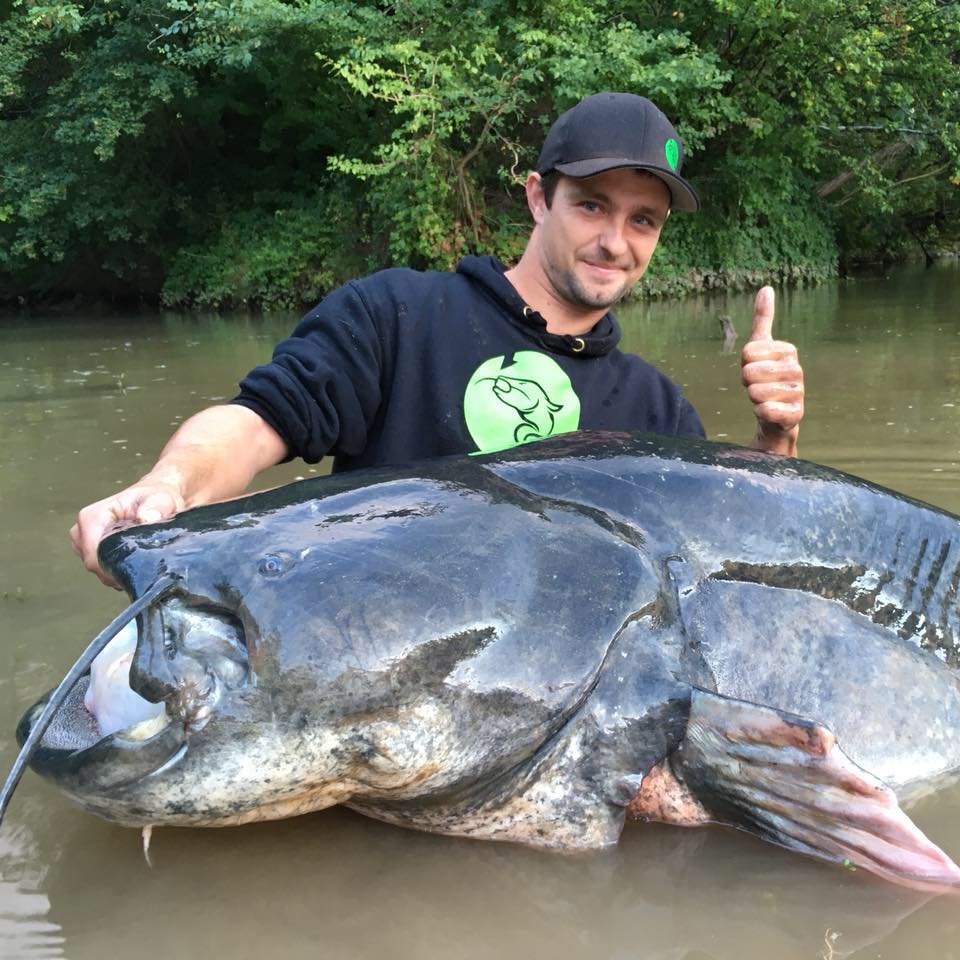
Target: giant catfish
<point>536,646</point>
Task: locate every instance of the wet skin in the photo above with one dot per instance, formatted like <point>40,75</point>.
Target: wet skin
<point>512,646</point>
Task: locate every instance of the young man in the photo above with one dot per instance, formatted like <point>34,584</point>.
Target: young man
<point>405,365</point>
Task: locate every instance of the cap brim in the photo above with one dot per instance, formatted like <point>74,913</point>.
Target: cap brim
<point>682,195</point>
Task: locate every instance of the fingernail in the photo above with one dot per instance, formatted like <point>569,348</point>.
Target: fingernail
<point>150,516</point>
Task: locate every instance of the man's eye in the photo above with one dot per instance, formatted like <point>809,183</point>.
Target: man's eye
<point>589,205</point>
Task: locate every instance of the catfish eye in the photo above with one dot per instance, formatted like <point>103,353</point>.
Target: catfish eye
<point>272,565</point>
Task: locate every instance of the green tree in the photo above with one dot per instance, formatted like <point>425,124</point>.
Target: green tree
<point>228,151</point>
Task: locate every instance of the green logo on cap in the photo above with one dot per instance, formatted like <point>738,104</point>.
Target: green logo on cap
<point>672,149</point>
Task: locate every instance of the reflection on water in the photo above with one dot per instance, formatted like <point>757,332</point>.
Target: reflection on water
<point>359,888</point>
<point>86,404</point>
<point>26,929</point>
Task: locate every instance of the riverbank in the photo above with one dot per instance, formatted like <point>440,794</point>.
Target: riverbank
<point>122,299</point>
<point>221,283</point>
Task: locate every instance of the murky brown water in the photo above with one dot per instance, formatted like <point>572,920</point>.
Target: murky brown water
<point>86,403</point>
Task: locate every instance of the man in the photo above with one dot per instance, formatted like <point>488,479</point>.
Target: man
<point>405,365</point>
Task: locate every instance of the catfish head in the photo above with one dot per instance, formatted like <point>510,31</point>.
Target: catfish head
<point>322,643</point>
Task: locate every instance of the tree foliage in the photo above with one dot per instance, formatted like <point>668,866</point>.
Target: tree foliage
<point>227,151</point>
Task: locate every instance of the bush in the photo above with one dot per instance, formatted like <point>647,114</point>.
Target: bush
<point>226,151</point>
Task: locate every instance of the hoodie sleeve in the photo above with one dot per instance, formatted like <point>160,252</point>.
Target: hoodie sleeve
<point>321,391</point>
<point>688,421</point>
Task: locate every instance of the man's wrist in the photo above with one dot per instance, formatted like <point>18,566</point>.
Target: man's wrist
<point>773,439</point>
<point>169,475</point>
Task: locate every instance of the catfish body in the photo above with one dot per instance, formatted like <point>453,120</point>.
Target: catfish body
<point>512,646</point>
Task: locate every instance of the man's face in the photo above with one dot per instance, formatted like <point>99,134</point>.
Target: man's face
<point>599,233</point>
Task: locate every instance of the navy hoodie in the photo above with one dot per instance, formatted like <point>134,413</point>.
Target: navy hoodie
<point>404,365</point>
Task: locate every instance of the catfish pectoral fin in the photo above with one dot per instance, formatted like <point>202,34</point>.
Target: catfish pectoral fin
<point>785,779</point>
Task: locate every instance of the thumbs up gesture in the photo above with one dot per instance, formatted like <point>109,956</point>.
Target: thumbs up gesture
<point>773,377</point>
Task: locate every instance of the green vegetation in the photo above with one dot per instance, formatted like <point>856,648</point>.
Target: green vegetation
<point>219,152</point>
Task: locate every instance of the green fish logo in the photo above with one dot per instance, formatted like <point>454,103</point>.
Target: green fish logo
<point>672,149</point>
<point>529,398</point>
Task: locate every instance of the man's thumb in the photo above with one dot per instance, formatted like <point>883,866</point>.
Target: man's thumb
<point>155,508</point>
<point>763,315</point>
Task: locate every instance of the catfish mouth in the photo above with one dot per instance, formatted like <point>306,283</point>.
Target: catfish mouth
<point>75,729</point>
<point>76,755</point>
<point>132,714</point>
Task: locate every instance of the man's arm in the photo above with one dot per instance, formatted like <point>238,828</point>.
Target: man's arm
<point>774,380</point>
<point>213,456</point>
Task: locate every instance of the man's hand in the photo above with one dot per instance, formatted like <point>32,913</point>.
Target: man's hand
<point>147,501</point>
<point>774,380</point>
<point>213,456</point>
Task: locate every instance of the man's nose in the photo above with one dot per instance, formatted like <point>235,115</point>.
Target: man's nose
<point>613,239</point>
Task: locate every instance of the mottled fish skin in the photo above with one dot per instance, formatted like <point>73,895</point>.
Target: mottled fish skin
<point>504,646</point>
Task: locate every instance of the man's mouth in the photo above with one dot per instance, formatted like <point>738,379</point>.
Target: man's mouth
<point>605,270</point>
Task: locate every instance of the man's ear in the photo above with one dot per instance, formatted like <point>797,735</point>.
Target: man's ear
<point>536,200</point>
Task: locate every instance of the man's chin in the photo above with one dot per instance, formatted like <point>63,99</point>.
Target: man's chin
<point>605,292</point>
<point>591,296</point>
<point>601,298</point>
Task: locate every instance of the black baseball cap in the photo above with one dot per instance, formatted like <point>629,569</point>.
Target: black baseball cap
<point>611,130</point>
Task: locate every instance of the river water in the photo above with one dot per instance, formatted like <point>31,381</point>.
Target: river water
<point>86,403</point>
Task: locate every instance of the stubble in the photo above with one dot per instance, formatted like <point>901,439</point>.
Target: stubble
<point>569,286</point>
